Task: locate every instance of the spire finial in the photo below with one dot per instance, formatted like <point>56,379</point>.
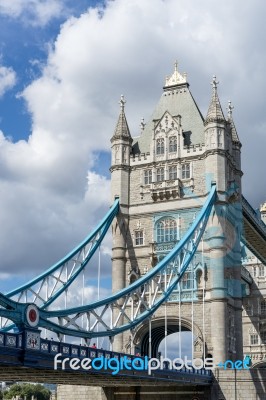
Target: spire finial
<point>215,112</point>
<point>142,124</point>
<point>214,82</point>
<point>122,102</point>
<point>230,109</point>
<point>122,129</point>
<point>176,78</point>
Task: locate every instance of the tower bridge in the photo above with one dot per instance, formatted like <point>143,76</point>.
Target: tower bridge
<point>180,225</point>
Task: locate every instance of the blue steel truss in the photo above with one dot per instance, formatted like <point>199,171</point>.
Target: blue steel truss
<point>48,286</point>
<point>130,306</point>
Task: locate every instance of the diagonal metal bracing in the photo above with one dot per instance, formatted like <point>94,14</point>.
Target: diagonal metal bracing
<point>125,309</point>
<point>138,301</point>
<point>48,286</point>
<point>254,231</point>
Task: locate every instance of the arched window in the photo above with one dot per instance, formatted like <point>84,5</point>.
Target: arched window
<point>173,172</point>
<point>160,174</point>
<point>261,270</point>
<point>172,144</point>
<point>147,176</point>
<point>166,230</point>
<point>187,282</point>
<point>160,146</point>
<point>186,171</point>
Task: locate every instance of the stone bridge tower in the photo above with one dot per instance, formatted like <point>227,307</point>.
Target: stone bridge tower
<point>162,178</point>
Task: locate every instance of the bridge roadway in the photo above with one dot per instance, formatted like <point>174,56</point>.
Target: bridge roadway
<point>254,231</point>
<point>21,360</point>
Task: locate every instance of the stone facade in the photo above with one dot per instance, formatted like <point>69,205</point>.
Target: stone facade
<point>162,178</point>
<point>227,385</point>
<point>240,385</point>
<point>254,311</point>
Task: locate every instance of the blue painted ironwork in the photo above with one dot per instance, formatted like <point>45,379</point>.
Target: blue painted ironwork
<point>28,349</point>
<point>48,286</point>
<point>253,218</point>
<point>129,307</point>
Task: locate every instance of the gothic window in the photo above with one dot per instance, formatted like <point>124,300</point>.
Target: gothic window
<point>160,174</point>
<point>261,270</point>
<point>254,339</point>
<point>147,176</point>
<point>263,336</point>
<point>160,146</point>
<point>186,171</point>
<point>124,155</point>
<point>172,144</point>
<point>166,230</point>
<point>199,277</point>
<point>263,307</point>
<point>116,154</point>
<point>173,172</point>
<point>187,281</point>
<point>139,239</point>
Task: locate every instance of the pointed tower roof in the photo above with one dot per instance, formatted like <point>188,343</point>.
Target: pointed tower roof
<point>230,108</point>
<point>215,112</point>
<point>177,100</point>
<point>122,129</point>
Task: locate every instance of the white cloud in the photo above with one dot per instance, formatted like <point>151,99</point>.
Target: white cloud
<point>7,79</point>
<point>34,12</point>
<point>49,200</point>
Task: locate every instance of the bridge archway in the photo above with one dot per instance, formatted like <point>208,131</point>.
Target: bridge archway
<point>141,337</point>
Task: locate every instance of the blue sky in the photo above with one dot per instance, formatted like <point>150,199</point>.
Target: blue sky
<point>24,46</point>
<point>63,67</point>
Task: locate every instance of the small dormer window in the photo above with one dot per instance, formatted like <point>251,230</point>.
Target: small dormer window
<point>172,144</point>
<point>160,174</point>
<point>159,146</point>
<point>186,171</point>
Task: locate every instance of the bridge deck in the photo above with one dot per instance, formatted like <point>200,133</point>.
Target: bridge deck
<point>254,235</point>
<point>20,363</point>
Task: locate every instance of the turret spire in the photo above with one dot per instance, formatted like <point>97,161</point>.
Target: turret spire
<point>122,129</point>
<point>215,112</point>
<point>230,108</point>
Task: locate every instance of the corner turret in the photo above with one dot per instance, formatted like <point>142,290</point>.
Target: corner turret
<point>236,144</point>
<point>121,148</point>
